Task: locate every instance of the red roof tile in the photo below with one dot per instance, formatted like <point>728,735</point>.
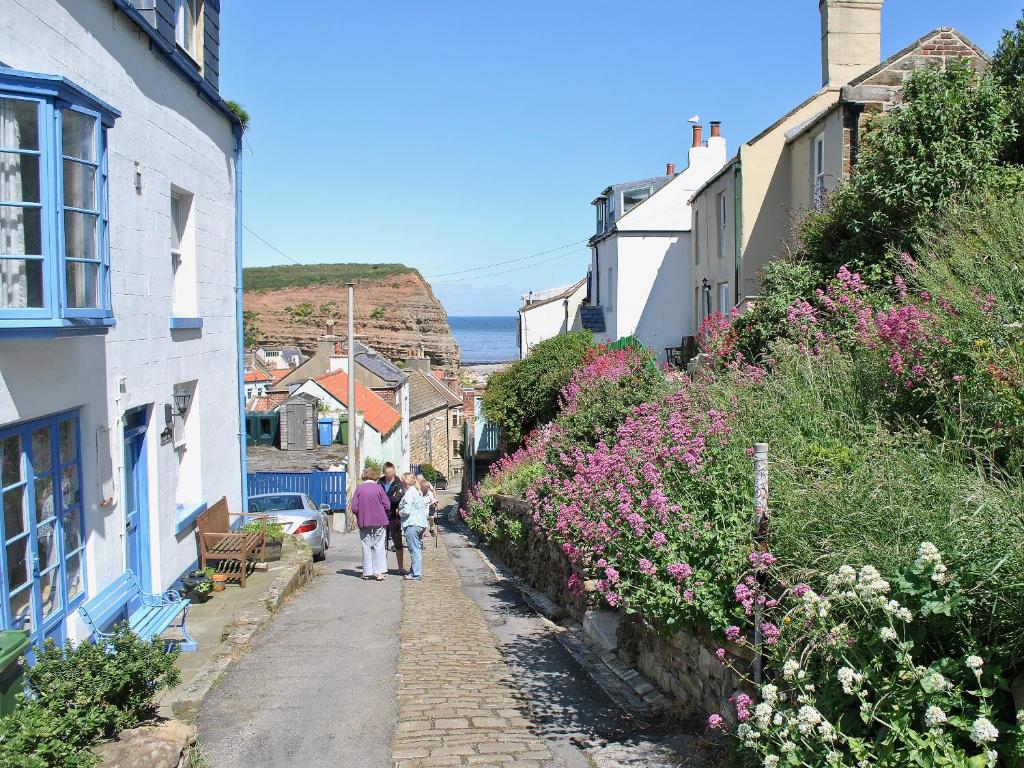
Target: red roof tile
<point>266,403</point>
<point>378,414</point>
<point>256,374</point>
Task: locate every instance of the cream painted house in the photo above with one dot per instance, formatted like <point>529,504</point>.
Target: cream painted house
<point>548,313</point>
<point>640,255</point>
<point>744,216</point>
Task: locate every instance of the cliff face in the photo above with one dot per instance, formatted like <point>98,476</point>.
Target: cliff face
<point>398,315</point>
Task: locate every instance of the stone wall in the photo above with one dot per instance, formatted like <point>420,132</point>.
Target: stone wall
<point>682,665</point>
<point>429,441</point>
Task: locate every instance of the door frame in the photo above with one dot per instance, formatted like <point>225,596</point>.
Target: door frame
<point>136,425</point>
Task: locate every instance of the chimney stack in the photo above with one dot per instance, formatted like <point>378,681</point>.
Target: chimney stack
<point>851,39</point>
<point>698,135</point>
<point>670,169</point>
<point>716,128</point>
<point>330,327</point>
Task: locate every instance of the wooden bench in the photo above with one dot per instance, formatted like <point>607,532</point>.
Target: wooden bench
<point>217,542</point>
<point>153,615</point>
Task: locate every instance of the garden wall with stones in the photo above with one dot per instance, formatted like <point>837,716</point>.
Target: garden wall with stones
<point>682,665</point>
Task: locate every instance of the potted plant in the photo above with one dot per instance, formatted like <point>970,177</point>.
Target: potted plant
<point>220,581</point>
<point>273,537</point>
<point>198,585</point>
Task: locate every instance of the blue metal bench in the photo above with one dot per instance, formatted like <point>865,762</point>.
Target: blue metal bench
<point>154,614</point>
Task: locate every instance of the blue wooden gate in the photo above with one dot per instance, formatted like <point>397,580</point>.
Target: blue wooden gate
<point>321,487</point>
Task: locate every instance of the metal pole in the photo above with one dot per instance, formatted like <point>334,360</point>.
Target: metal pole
<point>353,471</point>
<point>760,518</point>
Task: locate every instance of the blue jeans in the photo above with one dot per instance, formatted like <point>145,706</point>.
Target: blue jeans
<point>415,547</point>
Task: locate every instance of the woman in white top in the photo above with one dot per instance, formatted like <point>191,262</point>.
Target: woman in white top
<point>413,513</point>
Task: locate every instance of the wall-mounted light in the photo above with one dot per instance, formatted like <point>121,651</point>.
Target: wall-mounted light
<point>182,398</point>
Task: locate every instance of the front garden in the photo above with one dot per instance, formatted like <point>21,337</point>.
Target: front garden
<point>888,586</point>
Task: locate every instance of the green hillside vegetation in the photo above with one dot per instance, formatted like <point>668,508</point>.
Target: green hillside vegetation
<point>291,276</point>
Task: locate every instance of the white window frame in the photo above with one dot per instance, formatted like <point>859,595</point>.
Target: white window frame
<point>723,298</point>
<point>622,197</point>
<point>188,36</point>
<point>818,171</point>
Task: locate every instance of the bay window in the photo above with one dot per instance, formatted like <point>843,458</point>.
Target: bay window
<point>54,263</point>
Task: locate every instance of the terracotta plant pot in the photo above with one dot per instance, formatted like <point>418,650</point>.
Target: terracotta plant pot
<point>219,581</point>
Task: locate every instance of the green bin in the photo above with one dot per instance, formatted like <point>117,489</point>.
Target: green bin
<point>12,675</point>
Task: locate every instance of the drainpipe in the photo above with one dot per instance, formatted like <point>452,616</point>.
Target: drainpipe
<point>239,317</point>
<point>737,214</point>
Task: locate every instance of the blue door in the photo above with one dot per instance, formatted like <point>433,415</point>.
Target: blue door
<point>136,497</point>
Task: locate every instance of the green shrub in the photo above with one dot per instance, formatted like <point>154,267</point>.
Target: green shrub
<point>429,472</point>
<point>374,464</point>
<point>944,141</point>
<point>525,395</point>
<point>80,694</point>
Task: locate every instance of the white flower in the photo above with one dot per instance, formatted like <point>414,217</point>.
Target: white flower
<point>844,577</point>
<point>771,761</point>
<point>777,720</point>
<point>790,668</point>
<point>905,615</point>
<point>983,732</point>
<point>993,758</point>
<point>928,553</point>
<point>1020,717</point>
<point>888,633</point>
<point>939,574</point>
<point>850,679</point>
<point>828,733</point>
<point>938,682</point>
<point>974,662</point>
<point>807,718</point>
<point>870,583</point>
<point>787,747</point>
<point>769,693</point>
<point>934,716</point>
<point>763,713</point>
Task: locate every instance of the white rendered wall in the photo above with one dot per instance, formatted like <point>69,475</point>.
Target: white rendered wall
<point>545,321</point>
<point>176,139</point>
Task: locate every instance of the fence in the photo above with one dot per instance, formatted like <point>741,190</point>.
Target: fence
<point>321,487</point>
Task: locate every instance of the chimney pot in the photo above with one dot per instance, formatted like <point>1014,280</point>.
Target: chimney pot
<point>716,128</point>
<point>330,327</point>
<point>337,347</point>
<point>670,169</point>
<point>698,135</point>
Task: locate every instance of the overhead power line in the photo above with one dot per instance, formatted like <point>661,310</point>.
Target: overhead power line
<point>515,269</point>
<point>273,247</point>
<point>509,261</point>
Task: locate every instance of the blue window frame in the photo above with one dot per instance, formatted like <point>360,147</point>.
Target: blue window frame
<point>42,558</point>
<point>54,213</point>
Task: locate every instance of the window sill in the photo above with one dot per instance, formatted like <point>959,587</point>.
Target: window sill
<point>51,329</point>
<point>183,323</point>
<point>185,515</point>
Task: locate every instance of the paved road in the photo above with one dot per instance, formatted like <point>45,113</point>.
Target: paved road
<point>317,689</point>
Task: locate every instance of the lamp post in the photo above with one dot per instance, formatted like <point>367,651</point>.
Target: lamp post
<point>707,297</point>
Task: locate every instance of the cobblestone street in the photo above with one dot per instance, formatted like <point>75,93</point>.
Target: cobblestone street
<point>453,670</point>
<point>457,702</point>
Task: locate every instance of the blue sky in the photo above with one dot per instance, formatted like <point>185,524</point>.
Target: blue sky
<point>450,135</point>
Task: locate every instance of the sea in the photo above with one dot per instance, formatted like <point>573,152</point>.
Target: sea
<point>486,339</point>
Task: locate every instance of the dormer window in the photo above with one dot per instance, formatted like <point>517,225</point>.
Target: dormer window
<point>603,222</point>
<point>187,27</point>
<point>631,198</point>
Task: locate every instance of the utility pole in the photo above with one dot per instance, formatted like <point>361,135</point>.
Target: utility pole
<point>352,473</point>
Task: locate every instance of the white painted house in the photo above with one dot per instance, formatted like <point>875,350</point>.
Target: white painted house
<point>640,269</point>
<point>120,394</point>
<point>548,313</point>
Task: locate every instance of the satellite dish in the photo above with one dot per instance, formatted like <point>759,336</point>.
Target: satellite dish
<point>695,119</point>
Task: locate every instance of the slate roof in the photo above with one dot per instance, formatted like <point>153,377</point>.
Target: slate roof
<point>379,365</point>
<point>427,394</point>
<point>378,414</point>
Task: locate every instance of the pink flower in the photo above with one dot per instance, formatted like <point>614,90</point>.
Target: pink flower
<point>659,539</point>
<point>731,633</point>
<point>770,633</point>
<point>715,721</point>
<point>720,655</point>
<point>647,567</point>
<point>679,571</point>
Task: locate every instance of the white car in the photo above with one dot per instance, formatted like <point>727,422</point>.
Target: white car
<point>299,516</point>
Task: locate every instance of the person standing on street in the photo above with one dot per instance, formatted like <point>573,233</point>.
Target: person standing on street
<point>413,512</point>
<point>372,508</point>
<point>393,488</point>
<point>430,502</point>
